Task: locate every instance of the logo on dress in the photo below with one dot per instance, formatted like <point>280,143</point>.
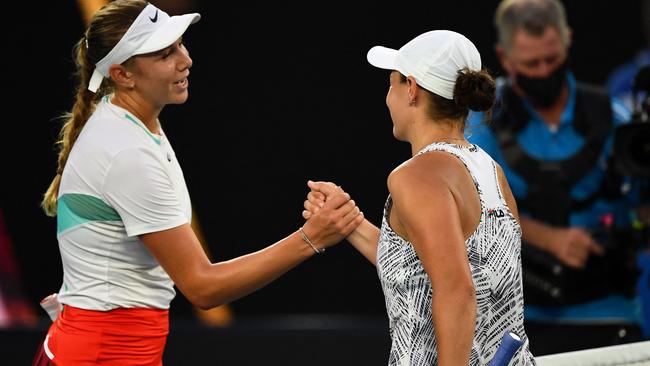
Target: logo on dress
<point>496,212</point>
<point>155,17</point>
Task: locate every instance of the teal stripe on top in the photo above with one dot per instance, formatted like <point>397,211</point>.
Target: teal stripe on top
<point>139,124</point>
<point>75,209</point>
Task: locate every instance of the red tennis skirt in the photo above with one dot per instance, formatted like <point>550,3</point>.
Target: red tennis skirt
<point>125,337</point>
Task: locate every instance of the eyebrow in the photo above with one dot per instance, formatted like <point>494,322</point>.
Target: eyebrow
<point>160,52</point>
<point>154,53</point>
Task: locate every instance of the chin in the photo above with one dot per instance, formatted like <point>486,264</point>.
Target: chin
<point>397,135</point>
<point>180,99</point>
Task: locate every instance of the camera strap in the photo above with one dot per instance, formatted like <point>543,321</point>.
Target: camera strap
<point>549,186</point>
<point>550,182</point>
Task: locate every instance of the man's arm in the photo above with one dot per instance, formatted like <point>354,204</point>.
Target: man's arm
<point>571,246</point>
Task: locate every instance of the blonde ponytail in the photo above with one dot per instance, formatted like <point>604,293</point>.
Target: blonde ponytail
<point>74,122</point>
<point>105,30</point>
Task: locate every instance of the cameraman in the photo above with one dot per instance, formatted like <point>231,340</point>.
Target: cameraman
<point>553,137</point>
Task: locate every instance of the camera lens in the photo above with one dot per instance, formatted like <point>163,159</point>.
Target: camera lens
<point>632,149</point>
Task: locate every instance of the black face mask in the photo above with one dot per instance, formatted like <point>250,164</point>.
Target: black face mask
<point>543,92</point>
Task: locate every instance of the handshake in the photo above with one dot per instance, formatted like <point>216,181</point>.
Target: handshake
<point>330,214</point>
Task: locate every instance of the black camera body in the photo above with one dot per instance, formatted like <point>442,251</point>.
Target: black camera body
<point>632,141</point>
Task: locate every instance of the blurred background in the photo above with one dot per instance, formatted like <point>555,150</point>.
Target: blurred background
<point>279,94</point>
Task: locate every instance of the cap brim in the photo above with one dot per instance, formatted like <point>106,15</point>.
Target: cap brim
<point>164,36</point>
<point>382,57</point>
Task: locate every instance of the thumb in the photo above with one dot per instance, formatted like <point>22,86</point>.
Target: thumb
<point>596,248</point>
<point>322,187</point>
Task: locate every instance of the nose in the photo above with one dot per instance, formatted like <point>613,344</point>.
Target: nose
<point>186,61</point>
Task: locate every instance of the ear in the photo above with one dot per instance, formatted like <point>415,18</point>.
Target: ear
<point>121,76</point>
<point>502,55</point>
<point>413,88</point>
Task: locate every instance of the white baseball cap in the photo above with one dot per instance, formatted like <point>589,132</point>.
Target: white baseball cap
<point>432,58</point>
<point>151,31</point>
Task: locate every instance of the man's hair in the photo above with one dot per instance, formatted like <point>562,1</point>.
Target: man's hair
<point>531,16</point>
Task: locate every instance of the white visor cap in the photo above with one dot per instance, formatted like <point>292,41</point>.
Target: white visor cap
<point>151,31</point>
<point>432,58</point>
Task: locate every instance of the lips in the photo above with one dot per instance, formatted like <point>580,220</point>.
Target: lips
<point>181,83</point>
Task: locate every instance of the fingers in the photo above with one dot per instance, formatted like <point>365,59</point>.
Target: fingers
<point>574,262</point>
<point>578,249</point>
<point>579,258</point>
<point>353,224</point>
<point>349,215</point>
<point>596,248</point>
<point>342,215</point>
<point>330,207</point>
<point>327,188</point>
<point>310,209</point>
<point>586,244</point>
<point>574,256</point>
<point>316,198</point>
<point>337,219</point>
<point>315,201</point>
<point>346,218</point>
<point>569,253</point>
<point>336,208</point>
<point>337,200</point>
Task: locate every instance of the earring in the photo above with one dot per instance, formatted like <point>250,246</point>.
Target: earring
<point>411,98</point>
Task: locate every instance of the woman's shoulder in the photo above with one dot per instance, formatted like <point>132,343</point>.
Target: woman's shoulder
<point>435,169</point>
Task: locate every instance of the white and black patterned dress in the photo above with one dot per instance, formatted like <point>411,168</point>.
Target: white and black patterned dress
<point>493,251</point>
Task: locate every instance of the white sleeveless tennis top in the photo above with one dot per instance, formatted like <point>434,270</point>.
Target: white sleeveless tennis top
<point>493,252</point>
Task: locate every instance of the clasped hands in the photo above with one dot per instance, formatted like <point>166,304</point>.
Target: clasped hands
<point>330,214</point>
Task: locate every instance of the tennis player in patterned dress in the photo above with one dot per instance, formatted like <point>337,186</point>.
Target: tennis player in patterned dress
<point>448,250</point>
